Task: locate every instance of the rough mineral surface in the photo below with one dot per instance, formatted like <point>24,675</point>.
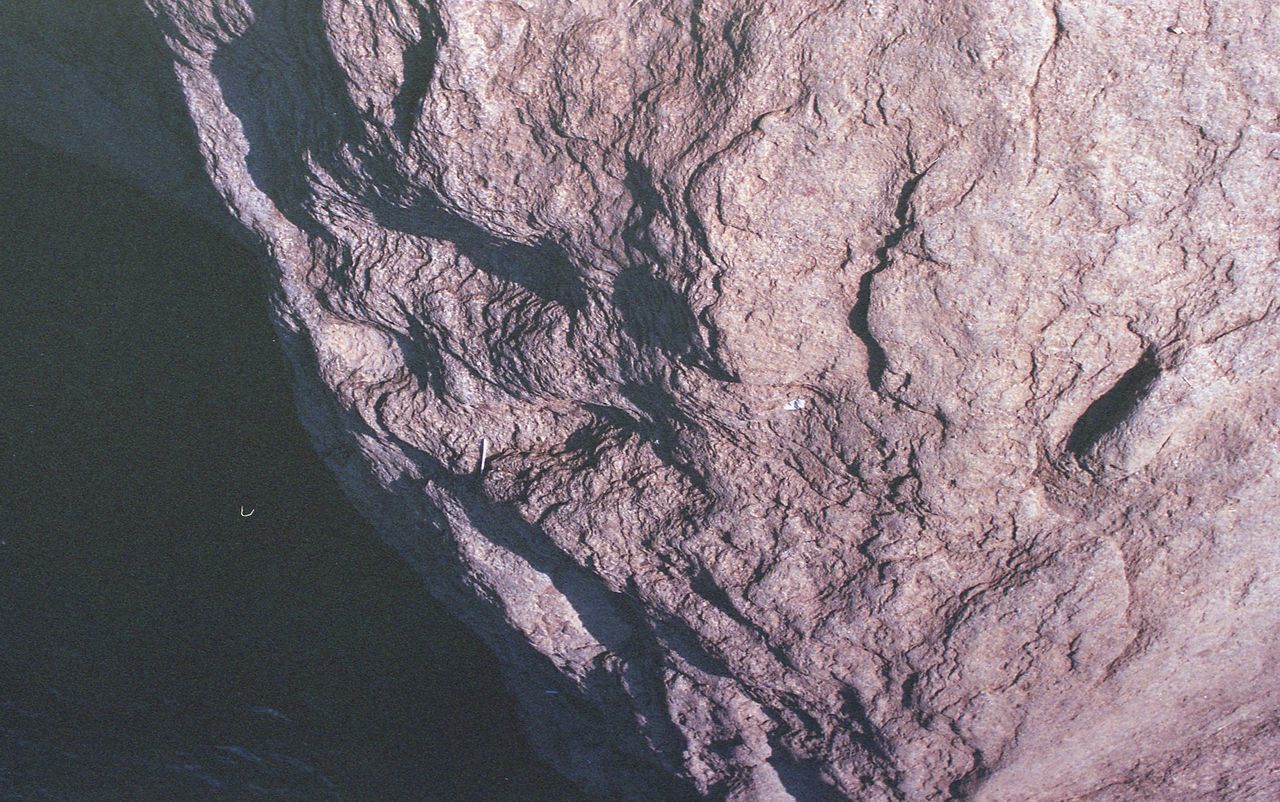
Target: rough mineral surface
<point>807,400</point>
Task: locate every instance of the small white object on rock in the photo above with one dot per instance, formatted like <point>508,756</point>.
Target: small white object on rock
<point>796,403</point>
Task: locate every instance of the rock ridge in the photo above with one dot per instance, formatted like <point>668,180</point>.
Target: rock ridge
<point>877,398</point>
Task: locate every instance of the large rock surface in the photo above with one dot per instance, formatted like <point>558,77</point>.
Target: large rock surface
<point>877,400</point>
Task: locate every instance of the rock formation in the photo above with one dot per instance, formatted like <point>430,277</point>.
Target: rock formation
<point>875,398</point>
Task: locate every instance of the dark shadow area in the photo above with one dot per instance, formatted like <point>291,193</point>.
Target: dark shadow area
<point>967,786</point>
<point>419,69</point>
<point>661,426</point>
<point>801,779</point>
<point>864,732</point>
<point>1114,406</point>
<point>543,269</point>
<point>279,77</point>
<point>614,619</point>
<point>653,313</point>
<point>94,78</point>
<point>154,643</point>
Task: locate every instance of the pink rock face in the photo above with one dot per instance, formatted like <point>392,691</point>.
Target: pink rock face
<point>877,399</point>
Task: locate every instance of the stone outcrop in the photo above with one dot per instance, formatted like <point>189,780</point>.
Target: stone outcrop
<point>806,400</point>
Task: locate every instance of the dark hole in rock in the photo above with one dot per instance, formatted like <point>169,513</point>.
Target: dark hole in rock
<point>1114,406</point>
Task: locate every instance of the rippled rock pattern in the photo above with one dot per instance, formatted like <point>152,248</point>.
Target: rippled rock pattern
<point>849,400</point>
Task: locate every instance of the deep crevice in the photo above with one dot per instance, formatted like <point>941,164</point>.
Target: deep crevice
<point>859,321</point>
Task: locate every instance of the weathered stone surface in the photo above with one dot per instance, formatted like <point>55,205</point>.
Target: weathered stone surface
<point>877,398</point>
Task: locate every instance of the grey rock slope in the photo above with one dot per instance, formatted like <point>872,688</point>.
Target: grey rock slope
<point>876,399</point>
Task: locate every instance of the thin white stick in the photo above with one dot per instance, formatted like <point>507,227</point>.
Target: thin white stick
<point>484,453</point>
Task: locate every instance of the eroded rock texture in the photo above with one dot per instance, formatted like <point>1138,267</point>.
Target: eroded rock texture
<point>877,397</point>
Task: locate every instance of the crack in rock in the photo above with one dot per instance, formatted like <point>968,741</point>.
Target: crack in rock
<point>1018,541</point>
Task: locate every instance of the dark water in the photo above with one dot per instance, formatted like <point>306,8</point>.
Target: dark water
<point>154,644</point>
